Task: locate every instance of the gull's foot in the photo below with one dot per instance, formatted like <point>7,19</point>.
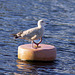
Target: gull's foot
<point>35,47</point>
<point>39,47</point>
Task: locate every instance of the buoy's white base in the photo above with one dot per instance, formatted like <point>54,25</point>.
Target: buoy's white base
<point>44,53</point>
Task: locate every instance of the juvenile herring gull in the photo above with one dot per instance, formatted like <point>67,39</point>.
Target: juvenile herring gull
<point>33,33</point>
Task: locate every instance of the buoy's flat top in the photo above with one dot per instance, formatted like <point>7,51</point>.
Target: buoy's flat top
<point>42,47</point>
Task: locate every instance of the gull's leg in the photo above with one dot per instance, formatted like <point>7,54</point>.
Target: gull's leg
<point>38,43</point>
<point>33,45</point>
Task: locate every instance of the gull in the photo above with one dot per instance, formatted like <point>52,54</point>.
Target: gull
<point>33,33</point>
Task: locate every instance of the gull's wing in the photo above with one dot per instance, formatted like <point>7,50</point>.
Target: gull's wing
<point>31,33</point>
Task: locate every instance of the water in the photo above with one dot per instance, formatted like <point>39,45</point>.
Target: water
<point>16,15</point>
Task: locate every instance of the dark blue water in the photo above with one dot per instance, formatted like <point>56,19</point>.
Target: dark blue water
<point>16,15</point>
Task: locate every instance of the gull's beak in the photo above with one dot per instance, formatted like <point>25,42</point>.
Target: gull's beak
<point>47,23</point>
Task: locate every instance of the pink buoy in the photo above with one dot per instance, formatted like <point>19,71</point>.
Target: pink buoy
<point>43,53</point>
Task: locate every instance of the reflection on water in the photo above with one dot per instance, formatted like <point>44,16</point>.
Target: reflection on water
<point>26,67</point>
<point>37,68</point>
<point>34,67</point>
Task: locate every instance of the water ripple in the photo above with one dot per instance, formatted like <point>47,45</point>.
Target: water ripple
<point>21,15</point>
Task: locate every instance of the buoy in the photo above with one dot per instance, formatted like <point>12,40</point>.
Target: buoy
<point>43,53</point>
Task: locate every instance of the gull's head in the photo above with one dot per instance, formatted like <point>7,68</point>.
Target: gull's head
<point>41,23</point>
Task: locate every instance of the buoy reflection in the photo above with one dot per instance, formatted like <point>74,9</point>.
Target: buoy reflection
<point>25,68</point>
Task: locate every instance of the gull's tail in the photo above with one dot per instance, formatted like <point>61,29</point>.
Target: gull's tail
<point>15,36</point>
<point>18,35</point>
